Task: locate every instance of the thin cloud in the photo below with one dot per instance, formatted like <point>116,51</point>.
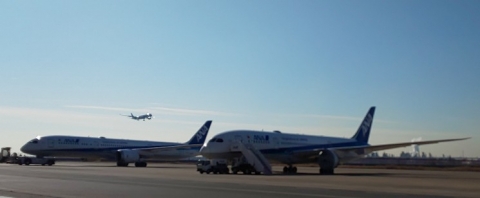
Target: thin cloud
<point>62,117</point>
<point>334,117</point>
<point>328,117</point>
<point>160,110</point>
<point>191,111</point>
<point>104,108</point>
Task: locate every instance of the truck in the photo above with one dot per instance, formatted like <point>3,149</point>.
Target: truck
<point>215,166</point>
<point>4,154</point>
<point>241,165</point>
<point>34,160</point>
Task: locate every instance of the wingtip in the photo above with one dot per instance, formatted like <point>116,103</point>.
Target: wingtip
<point>460,139</point>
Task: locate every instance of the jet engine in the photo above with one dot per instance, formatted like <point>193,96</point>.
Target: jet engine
<point>327,160</point>
<point>127,156</point>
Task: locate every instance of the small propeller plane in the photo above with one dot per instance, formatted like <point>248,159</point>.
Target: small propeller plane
<point>140,117</point>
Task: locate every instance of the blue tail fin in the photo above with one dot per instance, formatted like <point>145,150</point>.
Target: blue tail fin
<point>363,131</point>
<point>201,135</point>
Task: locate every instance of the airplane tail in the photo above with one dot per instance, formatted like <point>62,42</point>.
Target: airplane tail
<point>201,135</point>
<point>363,132</point>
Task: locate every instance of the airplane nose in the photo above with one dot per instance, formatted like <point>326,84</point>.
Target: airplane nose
<point>24,149</point>
<point>204,150</point>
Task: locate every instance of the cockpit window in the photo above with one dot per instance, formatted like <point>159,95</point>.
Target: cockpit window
<point>219,140</point>
<point>34,141</point>
<point>213,140</point>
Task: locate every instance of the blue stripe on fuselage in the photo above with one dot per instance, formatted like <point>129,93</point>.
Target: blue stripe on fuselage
<point>115,148</point>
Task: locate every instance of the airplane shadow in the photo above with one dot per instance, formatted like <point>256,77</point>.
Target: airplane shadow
<point>115,166</point>
<point>279,173</point>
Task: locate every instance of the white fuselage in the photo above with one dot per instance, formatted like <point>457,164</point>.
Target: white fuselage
<point>275,146</point>
<point>93,147</point>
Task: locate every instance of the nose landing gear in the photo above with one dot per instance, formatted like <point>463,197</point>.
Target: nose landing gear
<point>290,169</point>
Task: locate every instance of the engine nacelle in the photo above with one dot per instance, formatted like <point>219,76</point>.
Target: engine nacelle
<point>328,159</point>
<point>127,156</point>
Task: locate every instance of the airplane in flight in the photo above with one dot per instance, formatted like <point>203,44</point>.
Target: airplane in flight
<point>140,117</point>
<point>124,151</point>
<point>290,149</point>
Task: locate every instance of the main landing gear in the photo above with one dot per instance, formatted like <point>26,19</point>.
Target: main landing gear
<point>326,171</point>
<point>140,164</point>
<point>137,164</point>
<point>290,169</point>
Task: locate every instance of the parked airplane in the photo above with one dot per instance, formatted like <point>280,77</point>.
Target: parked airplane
<point>292,149</point>
<point>140,117</point>
<point>122,150</point>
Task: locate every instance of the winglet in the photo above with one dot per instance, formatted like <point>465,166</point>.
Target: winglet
<point>363,132</point>
<point>201,134</point>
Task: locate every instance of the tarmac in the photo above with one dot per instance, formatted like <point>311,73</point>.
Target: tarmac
<point>86,179</point>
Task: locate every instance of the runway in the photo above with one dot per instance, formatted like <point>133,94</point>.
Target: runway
<point>77,179</point>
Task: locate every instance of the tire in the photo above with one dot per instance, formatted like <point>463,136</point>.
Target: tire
<point>326,171</point>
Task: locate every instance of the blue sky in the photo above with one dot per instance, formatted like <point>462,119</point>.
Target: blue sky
<point>311,67</point>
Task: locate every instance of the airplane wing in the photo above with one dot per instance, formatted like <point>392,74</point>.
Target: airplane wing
<point>372,148</point>
<point>342,151</point>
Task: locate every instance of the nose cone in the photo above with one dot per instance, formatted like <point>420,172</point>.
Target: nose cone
<point>206,151</point>
<point>26,149</point>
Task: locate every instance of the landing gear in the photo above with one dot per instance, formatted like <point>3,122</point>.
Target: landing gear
<point>28,161</point>
<point>122,164</point>
<point>326,171</point>
<point>140,164</point>
<point>290,169</point>
<point>50,162</point>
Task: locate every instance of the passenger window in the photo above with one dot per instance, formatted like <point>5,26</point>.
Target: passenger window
<point>219,140</point>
